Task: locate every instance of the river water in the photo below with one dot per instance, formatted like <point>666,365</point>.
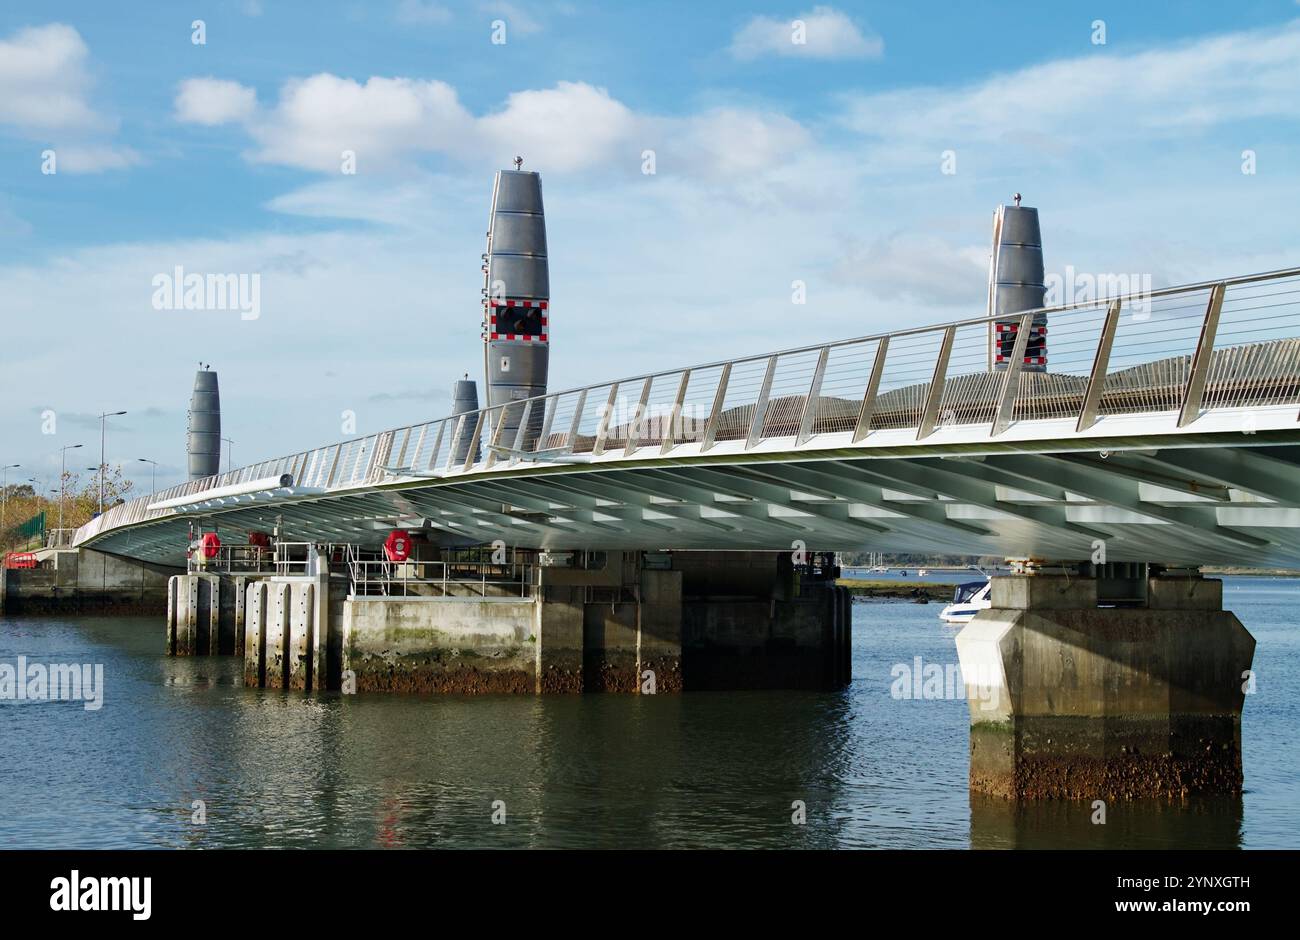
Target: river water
<point>697,770</point>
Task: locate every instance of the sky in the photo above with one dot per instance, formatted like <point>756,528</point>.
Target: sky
<point>697,161</point>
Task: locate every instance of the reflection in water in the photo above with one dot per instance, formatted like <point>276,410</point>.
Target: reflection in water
<point>281,769</point>
<point>1141,824</point>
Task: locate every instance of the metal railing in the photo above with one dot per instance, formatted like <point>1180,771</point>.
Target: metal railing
<point>234,559</point>
<point>378,577</point>
<point>59,538</point>
<point>1233,343</point>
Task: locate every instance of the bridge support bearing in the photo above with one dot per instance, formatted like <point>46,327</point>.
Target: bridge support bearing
<point>1072,701</point>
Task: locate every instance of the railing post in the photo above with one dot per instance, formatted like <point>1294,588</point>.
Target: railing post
<point>711,428</point>
<point>495,440</point>
<point>638,419</point>
<point>419,442</point>
<point>1100,363</point>
<point>401,451</point>
<point>670,436</point>
<point>456,435</point>
<point>937,382</point>
<point>437,444</point>
<point>334,465</point>
<point>522,432</point>
<point>1011,377</point>
<point>578,409</point>
<point>550,406</point>
<point>476,439</point>
<point>1191,409</point>
<point>602,431</point>
<point>760,405</point>
<point>873,387</point>
<point>810,401</point>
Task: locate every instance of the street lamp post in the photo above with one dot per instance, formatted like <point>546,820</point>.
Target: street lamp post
<point>230,454</point>
<point>4,490</point>
<point>154,485</point>
<point>63,472</point>
<point>103,422</point>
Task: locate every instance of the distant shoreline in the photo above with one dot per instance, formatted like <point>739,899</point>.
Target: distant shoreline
<point>899,590</point>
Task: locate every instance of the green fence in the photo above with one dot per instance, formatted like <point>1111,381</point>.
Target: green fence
<point>33,528</point>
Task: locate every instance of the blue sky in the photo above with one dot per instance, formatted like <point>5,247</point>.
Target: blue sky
<point>774,162</point>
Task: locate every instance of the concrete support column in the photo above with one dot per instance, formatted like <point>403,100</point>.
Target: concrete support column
<point>659,632</point>
<point>558,633</point>
<point>187,625</point>
<point>240,600</point>
<point>302,615</point>
<point>1072,701</point>
<point>256,610</point>
<point>318,644</point>
<point>279,603</point>
<point>173,612</point>
<point>208,635</point>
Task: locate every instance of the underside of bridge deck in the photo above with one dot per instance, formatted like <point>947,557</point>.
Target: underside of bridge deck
<point>1183,505</point>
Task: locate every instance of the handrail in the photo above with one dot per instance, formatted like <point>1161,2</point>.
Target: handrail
<point>1238,351</point>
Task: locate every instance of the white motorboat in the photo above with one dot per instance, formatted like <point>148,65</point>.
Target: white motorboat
<point>967,601</point>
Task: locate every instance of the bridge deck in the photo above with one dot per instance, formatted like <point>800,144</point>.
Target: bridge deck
<point>903,442</point>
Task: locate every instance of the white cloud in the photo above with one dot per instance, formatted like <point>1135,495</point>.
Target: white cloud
<point>573,126</point>
<point>566,127</point>
<point>95,158</point>
<point>1097,98</point>
<point>318,118</point>
<point>919,268</point>
<point>44,96</point>
<point>214,101</point>
<point>43,81</point>
<point>517,19</point>
<point>734,142</point>
<point>821,33</point>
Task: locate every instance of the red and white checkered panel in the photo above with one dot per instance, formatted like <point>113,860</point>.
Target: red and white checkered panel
<point>1029,360</point>
<point>494,303</point>
<point>1015,327</point>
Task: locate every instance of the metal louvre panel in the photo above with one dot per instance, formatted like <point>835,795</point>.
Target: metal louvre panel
<point>518,191</point>
<point>517,234</point>
<point>519,277</point>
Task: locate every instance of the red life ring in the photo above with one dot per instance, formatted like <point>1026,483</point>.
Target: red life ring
<point>211,544</point>
<point>397,547</point>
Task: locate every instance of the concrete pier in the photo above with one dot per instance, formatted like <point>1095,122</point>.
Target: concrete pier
<point>620,622</point>
<point>1073,701</point>
<point>428,644</point>
<point>750,622</point>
